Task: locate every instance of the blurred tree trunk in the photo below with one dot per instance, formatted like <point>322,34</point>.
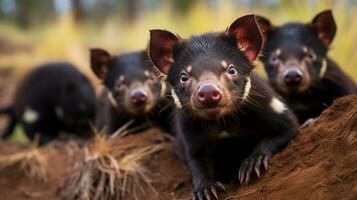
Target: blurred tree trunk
<point>22,13</point>
<point>183,6</point>
<point>133,10</point>
<point>29,12</point>
<point>78,11</point>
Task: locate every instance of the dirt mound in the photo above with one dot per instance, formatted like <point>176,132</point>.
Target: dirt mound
<point>319,164</point>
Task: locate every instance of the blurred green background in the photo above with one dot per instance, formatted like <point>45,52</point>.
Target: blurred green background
<point>36,31</point>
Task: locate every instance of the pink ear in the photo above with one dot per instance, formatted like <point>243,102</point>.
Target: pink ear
<point>325,25</point>
<point>248,35</point>
<point>99,59</point>
<point>161,47</point>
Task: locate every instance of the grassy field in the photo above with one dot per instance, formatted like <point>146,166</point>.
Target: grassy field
<point>63,39</point>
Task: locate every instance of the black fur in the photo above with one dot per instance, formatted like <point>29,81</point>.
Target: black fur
<point>60,96</point>
<point>229,145</point>
<point>319,92</point>
<point>131,66</point>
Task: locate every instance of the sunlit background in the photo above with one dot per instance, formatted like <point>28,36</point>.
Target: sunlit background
<point>36,31</point>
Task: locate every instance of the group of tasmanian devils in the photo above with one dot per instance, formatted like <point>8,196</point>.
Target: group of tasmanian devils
<point>225,121</point>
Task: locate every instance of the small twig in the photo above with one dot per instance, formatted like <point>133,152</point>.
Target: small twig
<point>340,180</point>
<point>122,128</point>
<point>348,120</point>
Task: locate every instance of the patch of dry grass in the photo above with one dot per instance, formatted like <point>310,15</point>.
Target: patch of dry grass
<point>31,162</point>
<point>110,169</point>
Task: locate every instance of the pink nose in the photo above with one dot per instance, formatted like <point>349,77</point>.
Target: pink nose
<point>138,96</point>
<point>292,77</point>
<point>208,94</point>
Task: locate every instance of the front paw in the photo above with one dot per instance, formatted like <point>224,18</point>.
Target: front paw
<point>208,192</point>
<point>252,163</point>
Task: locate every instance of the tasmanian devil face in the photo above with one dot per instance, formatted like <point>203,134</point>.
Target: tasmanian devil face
<point>210,72</point>
<point>76,101</point>
<point>129,78</point>
<point>295,52</point>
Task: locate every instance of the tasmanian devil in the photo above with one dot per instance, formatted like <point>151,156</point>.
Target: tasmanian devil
<point>229,122</point>
<point>298,67</point>
<point>132,91</point>
<point>52,98</point>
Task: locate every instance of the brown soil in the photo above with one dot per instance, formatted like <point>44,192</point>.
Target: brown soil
<point>319,164</point>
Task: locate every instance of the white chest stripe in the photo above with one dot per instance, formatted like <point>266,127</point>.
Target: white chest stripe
<point>277,105</point>
<point>30,116</point>
<point>323,68</point>
<point>162,89</point>
<point>112,100</point>
<point>247,87</point>
<point>176,99</point>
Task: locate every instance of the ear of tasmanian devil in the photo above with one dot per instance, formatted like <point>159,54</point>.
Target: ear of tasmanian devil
<point>325,25</point>
<point>99,59</point>
<point>264,24</point>
<point>248,35</point>
<point>161,49</point>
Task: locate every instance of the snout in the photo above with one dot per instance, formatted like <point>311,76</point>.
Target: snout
<point>209,94</point>
<point>138,96</point>
<point>293,76</point>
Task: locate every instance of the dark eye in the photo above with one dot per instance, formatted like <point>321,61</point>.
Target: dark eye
<point>311,55</point>
<point>184,77</point>
<point>231,70</point>
<point>274,59</point>
<point>152,77</point>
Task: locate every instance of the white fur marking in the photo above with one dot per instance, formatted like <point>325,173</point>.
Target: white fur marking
<point>121,78</point>
<point>162,89</point>
<point>176,99</point>
<point>224,134</point>
<point>323,68</point>
<point>30,116</point>
<point>112,100</point>
<point>59,112</point>
<point>247,87</point>
<point>189,69</point>
<point>278,52</point>
<point>277,105</point>
<point>304,49</point>
<point>146,73</point>
<point>224,64</point>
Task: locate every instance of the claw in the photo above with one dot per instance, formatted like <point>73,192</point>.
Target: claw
<point>257,165</point>
<point>248,172</point>
<point>257,172</point>
<point>247,177</point>
<point>200,196</point>
<point>207,194</point>
<point>240,178</point>
<point>214,192</point>
<point>265,162</point>
<point>220,186</point>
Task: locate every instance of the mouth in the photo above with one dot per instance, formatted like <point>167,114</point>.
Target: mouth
<point>295,88</point>
<point>210,113</point>
<point>211,109</point>
<point>140,110</point>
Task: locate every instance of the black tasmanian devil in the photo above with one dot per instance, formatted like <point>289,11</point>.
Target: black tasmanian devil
<point>229,122</point>
<point>298,67</point>
<point>52,98</point>
<point>132,91</point>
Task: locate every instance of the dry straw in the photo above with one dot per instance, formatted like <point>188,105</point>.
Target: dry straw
<point>31,162</point>
<point>110,169</point>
